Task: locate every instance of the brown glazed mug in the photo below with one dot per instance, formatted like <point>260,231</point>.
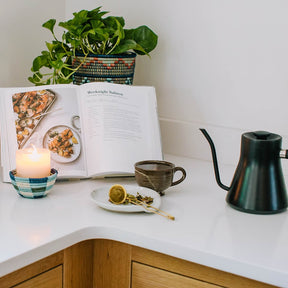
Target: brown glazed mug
<point>157,175</point>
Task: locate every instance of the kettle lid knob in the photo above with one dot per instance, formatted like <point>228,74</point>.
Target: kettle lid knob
<point>261,135</point>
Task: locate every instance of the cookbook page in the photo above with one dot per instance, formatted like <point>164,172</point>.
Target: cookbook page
<point>3,132</point>
<point>47,117</point>
<point>120,127</point>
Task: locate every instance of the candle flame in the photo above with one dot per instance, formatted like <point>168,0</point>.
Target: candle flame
<point>34,153</point>
<point>34,149</point>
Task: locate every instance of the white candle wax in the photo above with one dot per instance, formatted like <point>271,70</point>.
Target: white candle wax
<point>33,163</point>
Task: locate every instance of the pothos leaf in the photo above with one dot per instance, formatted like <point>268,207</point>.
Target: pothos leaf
<point>127,45</point>
<point>50,25</point>
<point>143,36</point>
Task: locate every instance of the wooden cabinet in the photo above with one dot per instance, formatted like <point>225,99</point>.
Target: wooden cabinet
<point>70,268</point>
<point>51,278</point>
<point>146,276</point>
<point>119,265</point>
<point>45,270</point>
<point>110,264</point>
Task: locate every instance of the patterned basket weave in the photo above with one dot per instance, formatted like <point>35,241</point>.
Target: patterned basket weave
<point>105,68</point>
<point>33,187</point>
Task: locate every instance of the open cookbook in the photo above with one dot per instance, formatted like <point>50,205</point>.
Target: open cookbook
<point>93,130</point>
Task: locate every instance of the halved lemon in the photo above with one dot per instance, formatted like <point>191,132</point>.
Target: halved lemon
<point>117,194</point>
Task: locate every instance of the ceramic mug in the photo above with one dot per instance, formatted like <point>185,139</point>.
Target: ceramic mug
<point>157,175</point>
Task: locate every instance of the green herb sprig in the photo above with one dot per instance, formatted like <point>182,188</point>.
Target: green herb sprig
<point>138,199</point>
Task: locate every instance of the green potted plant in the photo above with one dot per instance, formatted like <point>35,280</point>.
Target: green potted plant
<point>92,48</point>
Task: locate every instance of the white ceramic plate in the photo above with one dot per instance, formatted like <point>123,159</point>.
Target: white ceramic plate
<point>76,147</point>
<point>101,197</point>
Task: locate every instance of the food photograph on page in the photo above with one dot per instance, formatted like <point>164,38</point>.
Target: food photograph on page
<point>49,119</point>
<point>30,108</point>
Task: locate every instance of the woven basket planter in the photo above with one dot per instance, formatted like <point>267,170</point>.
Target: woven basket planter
<point>104,68</point>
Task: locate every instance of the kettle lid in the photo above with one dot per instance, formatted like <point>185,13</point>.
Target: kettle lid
<point>262,136</point>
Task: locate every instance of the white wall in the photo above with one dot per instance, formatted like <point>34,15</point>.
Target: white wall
<point>22,37</point>
<point>219,64</point>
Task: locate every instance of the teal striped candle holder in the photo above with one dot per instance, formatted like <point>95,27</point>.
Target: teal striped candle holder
<point>33,187</point>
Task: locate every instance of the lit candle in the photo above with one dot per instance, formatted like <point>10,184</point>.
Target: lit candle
<point>33,163</point>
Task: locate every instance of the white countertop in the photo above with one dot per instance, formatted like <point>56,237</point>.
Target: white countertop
<point>206,230</point>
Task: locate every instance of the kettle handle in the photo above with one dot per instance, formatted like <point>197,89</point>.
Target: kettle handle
<point>214,157</point>
<point>283,154</point>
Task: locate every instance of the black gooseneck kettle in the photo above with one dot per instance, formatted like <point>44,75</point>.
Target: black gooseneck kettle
<point>258,184</point>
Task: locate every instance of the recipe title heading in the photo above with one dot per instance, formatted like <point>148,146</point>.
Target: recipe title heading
<point>93,92</point>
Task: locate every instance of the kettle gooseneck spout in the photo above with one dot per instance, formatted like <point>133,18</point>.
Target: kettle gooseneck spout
<point>214,157</point>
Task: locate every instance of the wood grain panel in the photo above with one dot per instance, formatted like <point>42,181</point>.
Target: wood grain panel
<point>49,279</point>
<point>112,265</point>
<point>194,270</point>
<point>78,265</point>
<point>32,270</point>
<point>144,276</point>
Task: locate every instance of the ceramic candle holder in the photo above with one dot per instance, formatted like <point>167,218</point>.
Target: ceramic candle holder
<point>33,187</point>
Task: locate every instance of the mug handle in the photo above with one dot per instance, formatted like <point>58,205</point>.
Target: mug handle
<point>183,175</point>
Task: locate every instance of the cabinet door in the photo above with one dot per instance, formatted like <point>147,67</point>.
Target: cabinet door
<point>144,276</point>
<point>49,279</point>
